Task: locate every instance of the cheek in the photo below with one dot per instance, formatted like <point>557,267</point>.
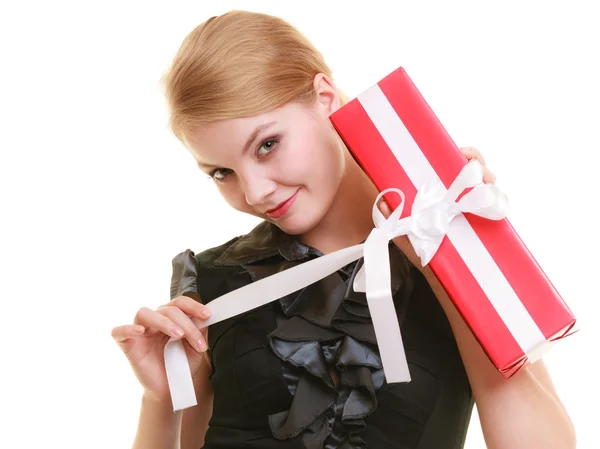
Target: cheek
<point>326,165</point>
<point>317,160</point>
<point>234,197</point>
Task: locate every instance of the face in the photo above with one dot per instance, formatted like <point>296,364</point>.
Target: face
<point>284,166</point>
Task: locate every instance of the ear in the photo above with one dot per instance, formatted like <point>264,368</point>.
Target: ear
<point>327,96</point>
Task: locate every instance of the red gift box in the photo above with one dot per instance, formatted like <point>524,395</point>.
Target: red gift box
<point>505,298</point>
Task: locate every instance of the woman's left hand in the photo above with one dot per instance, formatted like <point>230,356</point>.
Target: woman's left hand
<point>402,241</point>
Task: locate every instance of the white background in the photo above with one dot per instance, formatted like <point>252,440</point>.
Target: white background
<point>97,197</point>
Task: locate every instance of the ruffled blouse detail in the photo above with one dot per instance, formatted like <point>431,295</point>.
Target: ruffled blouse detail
<point>327,328</point>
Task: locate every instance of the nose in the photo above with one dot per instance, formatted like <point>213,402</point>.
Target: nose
<point>257,189</point>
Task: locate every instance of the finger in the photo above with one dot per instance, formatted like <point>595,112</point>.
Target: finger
<point>384,208</point>
<point>191,333</point>
<point>473,153</point>
<point>155,320</point>
<point>122,333</point>
<point>488,176</point>
<point>191,306</point>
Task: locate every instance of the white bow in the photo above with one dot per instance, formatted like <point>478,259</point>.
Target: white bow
<point>433,210</point>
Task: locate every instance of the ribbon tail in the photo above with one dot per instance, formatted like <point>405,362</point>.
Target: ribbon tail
<point>381,308</point>
<point>179,376</point>
<point>360,281</point>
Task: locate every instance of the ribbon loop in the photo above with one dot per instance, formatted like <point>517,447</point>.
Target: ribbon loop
<point>379,220</point>
<point>486,201</point>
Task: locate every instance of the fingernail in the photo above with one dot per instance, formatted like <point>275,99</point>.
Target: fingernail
<point>200,343</point>
<point>178,332</point>
<point>205,313</point>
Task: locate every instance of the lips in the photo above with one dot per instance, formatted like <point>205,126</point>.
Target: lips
<point>279,206</point>
<point>282,208</point>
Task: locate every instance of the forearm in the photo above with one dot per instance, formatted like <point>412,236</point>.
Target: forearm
<point>521,412</point>
<point>158,427</point>
<point>194,423</point>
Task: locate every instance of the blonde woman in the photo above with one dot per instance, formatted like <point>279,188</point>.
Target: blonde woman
<point>250,98</point>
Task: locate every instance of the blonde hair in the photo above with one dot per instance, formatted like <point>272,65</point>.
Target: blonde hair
<point>239,64</point>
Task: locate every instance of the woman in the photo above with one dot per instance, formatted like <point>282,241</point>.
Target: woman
<point>250,98</point>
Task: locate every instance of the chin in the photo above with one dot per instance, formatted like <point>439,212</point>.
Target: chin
<point>299,223</point>
<point>293,229</point>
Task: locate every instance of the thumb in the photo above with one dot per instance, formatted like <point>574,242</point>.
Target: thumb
<point>384,208</point>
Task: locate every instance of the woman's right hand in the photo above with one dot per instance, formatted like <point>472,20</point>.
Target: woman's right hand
<point>143,342</point>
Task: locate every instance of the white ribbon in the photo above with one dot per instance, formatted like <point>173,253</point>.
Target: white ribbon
<point>432,211</point>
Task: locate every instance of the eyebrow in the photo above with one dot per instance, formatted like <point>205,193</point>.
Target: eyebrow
<point>251,139</point>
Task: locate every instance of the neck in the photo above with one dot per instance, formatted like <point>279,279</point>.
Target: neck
<point>349,220</point>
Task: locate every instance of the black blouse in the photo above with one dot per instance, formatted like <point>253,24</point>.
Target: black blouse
<point>304,371</point>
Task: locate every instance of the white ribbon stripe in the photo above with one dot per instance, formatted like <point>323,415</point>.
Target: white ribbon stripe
<point>433,210</point>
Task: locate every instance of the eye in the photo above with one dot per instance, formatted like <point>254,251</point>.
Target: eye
<point>218,174</point>
<point>268,145</point>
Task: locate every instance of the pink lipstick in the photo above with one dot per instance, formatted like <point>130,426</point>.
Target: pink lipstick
<point>280,210</point>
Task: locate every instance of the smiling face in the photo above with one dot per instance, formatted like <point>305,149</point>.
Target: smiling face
<point>291,153</point>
